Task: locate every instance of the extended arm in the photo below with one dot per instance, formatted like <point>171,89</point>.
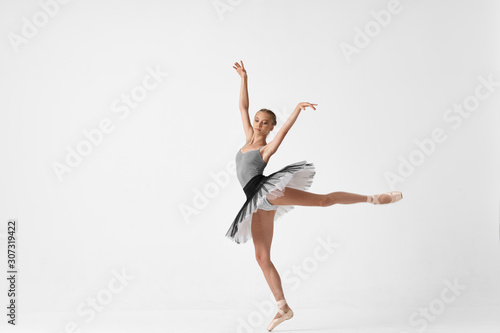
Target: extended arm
<point>244,93</point>
<point>244,102</point>
<point>273,146</point>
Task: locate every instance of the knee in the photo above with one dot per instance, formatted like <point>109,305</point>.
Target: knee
<point>327,200</point>
<point>263,259</point>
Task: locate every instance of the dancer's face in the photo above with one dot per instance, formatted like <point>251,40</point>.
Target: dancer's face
<point>262,123</point>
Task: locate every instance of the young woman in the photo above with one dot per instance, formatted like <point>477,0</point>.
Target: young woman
<point>269,197</point>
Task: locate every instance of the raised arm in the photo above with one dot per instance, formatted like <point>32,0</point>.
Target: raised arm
<point>244,103</point>
<point>273,146</point>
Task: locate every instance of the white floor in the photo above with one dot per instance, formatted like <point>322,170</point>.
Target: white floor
<point>455,320</point>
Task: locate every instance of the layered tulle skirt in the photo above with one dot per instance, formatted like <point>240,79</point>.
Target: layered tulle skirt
<point>297,175</point>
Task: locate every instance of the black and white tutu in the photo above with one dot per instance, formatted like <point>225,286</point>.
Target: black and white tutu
<point>297,175</point>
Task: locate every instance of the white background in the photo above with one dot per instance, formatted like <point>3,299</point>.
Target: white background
<point>123,208</point>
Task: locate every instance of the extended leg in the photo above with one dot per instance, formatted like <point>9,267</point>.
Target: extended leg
<point>294,197</point>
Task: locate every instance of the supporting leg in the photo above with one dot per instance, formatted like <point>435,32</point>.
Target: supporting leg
<point>262,235</point>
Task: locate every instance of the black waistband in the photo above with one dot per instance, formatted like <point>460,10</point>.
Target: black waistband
<point>251,187</point>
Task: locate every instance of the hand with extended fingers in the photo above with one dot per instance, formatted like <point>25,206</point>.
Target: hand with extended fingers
<point>303,105</point>
<point>240,69</point>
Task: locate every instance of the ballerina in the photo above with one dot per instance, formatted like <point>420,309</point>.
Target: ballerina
<point>270,197</point>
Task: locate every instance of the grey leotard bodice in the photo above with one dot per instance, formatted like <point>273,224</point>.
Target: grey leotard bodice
<point>248,165</point>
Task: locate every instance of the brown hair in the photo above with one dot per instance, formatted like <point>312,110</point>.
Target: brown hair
<point>270,113</point>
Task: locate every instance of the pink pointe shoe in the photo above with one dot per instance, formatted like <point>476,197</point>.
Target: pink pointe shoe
<point>395,195</point>
<point>284,316</point>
